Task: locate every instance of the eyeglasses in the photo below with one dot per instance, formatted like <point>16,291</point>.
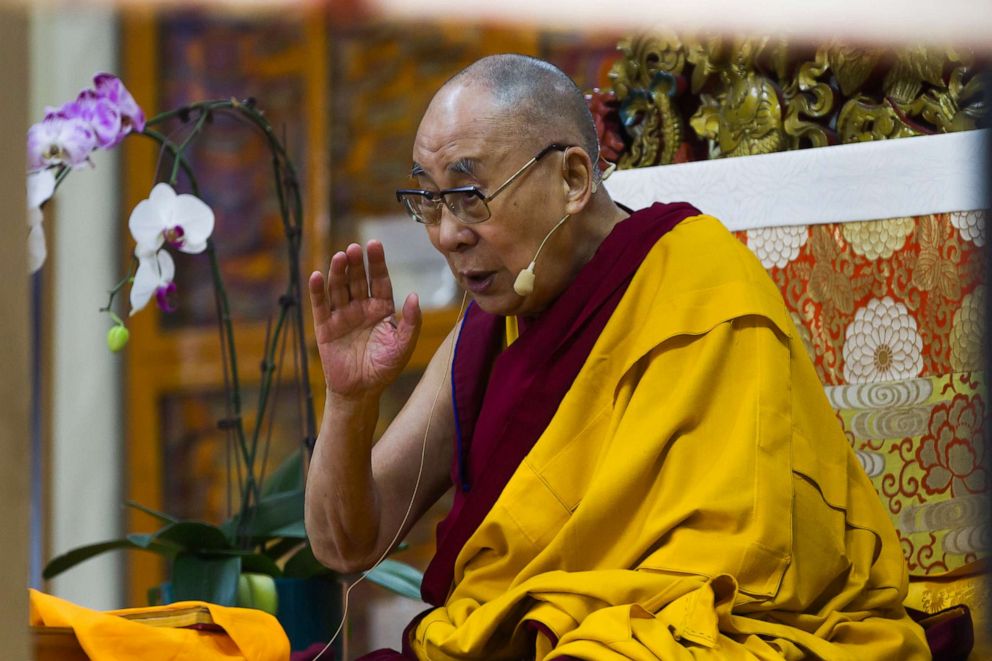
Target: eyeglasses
<point>468,204</point>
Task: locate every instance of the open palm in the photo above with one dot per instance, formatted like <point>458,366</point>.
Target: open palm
<point>362,348</point>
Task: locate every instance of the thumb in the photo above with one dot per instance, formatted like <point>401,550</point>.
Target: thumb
<point>410,320</point>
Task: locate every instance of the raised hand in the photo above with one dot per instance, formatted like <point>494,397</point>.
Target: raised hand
<point>362,347</point>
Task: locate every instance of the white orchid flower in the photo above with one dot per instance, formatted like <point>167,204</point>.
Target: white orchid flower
<point>154,276</point>
<point>41,186</point>
<point>183,221</point>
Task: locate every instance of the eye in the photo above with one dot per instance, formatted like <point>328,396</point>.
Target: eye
<point>469,201</point>
<point>469,206</point>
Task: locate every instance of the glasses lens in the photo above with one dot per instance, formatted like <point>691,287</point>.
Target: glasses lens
<point>421,209</point>
<point>468,206</point>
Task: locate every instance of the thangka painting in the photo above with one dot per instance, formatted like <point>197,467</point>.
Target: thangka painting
<point>892,313</point>
<point>213,57</point>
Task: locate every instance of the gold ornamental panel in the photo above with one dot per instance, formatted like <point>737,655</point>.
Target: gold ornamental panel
<point>692,97</point>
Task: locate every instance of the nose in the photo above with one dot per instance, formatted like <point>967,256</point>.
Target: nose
<point>452,235</point>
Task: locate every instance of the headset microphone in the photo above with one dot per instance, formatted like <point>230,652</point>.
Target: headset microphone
<point>524,284</point>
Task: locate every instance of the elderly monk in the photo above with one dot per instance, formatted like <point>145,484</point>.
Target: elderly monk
<point>643,459</point>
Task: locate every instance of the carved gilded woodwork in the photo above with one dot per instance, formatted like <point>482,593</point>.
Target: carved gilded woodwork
<point>645,80</point>
<point>681,97</point>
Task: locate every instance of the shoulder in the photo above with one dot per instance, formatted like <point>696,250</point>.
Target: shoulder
<point>700,253</point>
<point>696,277</point>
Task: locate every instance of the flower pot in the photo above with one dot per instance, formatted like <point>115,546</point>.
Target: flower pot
<point>310,611</point>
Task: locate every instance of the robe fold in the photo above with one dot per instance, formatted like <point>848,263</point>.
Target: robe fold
<point>691,496</point>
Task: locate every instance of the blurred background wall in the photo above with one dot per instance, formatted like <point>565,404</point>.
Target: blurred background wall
<point>15,347</point>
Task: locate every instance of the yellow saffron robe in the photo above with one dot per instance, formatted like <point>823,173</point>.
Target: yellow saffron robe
<point>693,496</point>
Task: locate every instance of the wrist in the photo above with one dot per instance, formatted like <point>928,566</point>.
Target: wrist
<point>356,400</point>
<point>361,406</point>
<point>349,418</point>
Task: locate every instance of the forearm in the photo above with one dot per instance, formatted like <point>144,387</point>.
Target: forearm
<point>343,510</point>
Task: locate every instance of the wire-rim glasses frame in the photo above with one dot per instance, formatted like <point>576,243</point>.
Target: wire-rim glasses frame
<point>467,203</point>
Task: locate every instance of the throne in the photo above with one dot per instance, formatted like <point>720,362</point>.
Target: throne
<point>856,178</point>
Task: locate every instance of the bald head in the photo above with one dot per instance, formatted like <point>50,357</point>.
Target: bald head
<point>536,97</point>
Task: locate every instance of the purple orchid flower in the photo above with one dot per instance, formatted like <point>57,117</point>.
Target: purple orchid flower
<point>165,298</point>
<point>100,113</point>
<point>60,140</point>
<point>111,88</point>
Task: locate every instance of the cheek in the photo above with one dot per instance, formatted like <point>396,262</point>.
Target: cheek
<point>503,244</point>
<point>433,235</point>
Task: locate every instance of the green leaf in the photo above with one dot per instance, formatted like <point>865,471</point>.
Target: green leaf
<point>287,477</point>
<point>296,530</point>
<point>72,558</point>
<point>193,536</point>
<point>272,513</point>
<point>229,527</point>
<point>161,516</point>
<point>399,577</point>
<point>213,579</point>
<point>260,564</point>
<point>303,564</point>
<point>147,542</point>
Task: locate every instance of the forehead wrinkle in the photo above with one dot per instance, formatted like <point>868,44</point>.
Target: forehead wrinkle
<point>465,148</point>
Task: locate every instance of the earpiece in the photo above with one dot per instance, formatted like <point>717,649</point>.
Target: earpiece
<point>606,175</point>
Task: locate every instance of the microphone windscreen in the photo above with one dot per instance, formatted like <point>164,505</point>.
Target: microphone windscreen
<point>524,284</point>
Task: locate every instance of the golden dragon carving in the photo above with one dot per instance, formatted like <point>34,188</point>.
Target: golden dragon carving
<point>690,97</point>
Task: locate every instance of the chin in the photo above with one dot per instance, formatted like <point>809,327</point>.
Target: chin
<point>506,305</point>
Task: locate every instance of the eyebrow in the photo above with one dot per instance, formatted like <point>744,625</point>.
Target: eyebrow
<point>464,166</point>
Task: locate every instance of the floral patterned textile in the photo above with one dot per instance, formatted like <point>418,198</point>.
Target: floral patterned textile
<point>891,312</point>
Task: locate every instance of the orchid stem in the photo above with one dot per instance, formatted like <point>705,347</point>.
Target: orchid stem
<point>291,214</point>
<point>117,288</point>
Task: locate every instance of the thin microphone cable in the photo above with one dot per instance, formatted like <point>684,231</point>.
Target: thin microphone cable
<point>413,497</point>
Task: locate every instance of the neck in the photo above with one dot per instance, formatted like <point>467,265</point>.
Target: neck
<point>597,221</point>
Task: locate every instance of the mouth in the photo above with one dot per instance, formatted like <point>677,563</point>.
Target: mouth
<point>478,282</point>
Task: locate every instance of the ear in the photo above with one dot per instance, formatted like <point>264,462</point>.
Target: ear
<point>577,182</point>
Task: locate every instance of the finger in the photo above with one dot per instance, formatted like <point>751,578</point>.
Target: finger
<point>337,281</point>
<point>319,303</point>
<point>409,326</point>
<point>358,282</point>
<point>381,285</point>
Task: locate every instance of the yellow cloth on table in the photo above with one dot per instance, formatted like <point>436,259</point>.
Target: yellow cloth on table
<point>693,496</point>
<point>105,636</point>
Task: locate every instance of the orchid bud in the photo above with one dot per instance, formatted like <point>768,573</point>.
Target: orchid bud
<point>117,337</point>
